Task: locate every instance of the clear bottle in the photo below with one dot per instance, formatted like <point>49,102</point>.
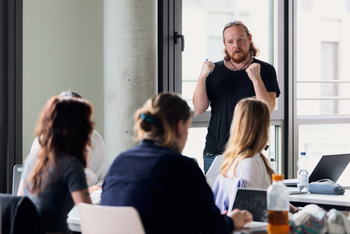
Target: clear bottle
<point>277,206</point>
<point>303,173</point>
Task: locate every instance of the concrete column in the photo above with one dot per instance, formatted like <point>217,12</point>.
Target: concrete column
<point>130,67</point>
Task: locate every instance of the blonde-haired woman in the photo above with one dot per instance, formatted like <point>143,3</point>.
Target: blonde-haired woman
<point>168,189</point>
<point>249,134</point>
<point>244,164</point>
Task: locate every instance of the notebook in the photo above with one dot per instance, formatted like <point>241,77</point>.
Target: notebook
<point>253,200</point>
<point>329,167</point>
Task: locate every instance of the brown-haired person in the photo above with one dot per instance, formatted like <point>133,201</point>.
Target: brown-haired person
<point>53,177</point>
<point>223,84</point>
<point>97,164</point>
<point>168,189</point>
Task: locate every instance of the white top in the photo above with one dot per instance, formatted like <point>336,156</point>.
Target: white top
<point>97,164</point>
<point>253,172</point>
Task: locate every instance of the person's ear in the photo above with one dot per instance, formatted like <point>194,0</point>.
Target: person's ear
<point>250,38</point>
<point>179,128</point>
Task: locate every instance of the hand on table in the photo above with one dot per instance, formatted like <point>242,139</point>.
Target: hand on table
<point>94,188</point>
<point>240,217</point>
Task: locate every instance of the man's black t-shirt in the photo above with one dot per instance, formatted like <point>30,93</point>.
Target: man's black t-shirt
<point>225,88</point>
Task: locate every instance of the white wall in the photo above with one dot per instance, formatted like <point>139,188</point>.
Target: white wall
<point>62,49</point>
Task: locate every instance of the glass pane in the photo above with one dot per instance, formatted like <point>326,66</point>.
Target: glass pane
<point>318,140</point>
<point>203,22</point>
<point>195,144</point>
<point>196,141</point>
<point>322,78</point>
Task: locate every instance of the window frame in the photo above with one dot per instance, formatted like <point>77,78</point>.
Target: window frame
<point>11,90</point>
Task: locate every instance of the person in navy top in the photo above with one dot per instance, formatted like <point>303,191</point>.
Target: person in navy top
<point>168,189</point>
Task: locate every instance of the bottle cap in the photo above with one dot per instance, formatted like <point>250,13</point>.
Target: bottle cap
<point>276,177</point>
<point>302,153</point>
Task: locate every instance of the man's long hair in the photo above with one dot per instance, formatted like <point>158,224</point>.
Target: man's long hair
<point>64,128</point>
<point>254,51</point>
<point>249,134</point>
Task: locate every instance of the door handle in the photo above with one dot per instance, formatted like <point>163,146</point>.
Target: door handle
<point>179,36</point>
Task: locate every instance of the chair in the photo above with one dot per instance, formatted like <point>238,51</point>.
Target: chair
<point>109,219</point>
<point>19,215</point>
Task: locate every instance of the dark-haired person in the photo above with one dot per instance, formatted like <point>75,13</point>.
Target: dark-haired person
<point>97,164</point>
<point>53,177</point>
<point>168,189</point>
<point>223,84</point>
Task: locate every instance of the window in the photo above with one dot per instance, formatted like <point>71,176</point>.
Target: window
<point>202,25</point>
<point>322,80</point>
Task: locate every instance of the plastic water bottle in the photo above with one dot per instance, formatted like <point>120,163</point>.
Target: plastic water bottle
<point>303,174</point>
<point>277,206</point>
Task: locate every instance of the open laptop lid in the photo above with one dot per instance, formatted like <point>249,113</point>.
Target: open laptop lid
<point>330,167</point>
<point>17,172</point>
<point>253,200</point>
<point>214,170</point>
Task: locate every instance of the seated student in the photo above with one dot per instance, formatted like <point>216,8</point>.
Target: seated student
<point>97,164</point>
<point>243,158</point>
<point>249,135</point>
<point>53,177</point>
<point>168,189</point>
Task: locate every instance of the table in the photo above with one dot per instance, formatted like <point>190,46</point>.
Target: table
<point>326,201</point>
<point>74,224</point>
<point>74,220</point>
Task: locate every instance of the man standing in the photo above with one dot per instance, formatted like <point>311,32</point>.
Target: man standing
<point>224,83</point>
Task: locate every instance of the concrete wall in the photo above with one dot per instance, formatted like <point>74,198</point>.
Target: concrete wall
<point>62,49</point>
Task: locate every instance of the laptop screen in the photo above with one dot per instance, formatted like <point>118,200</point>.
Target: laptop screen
<point>330,167</point>
<point>17,172</point>
<point>253,200</point>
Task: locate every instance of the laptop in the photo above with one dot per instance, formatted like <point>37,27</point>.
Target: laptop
<point>16,178</point>
<point>253,200</point>
<point>329,167</point>
<point>214,170</point>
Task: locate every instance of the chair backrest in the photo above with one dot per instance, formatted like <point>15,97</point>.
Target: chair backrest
<point>109,219</point>
<point>16,178</point>
<point>19,215</point>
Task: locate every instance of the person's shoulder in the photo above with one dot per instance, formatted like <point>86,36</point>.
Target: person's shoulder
<point>263,63</point>
<point>250,161</point>
<point>70,161</point>
<point>95,136</point>
<point>32,156</point>
<point>219,63</point>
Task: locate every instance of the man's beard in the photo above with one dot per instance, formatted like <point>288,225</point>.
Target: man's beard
<point>238,58</point>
